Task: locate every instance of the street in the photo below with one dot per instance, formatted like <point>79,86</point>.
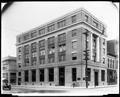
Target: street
<point>62,91</point>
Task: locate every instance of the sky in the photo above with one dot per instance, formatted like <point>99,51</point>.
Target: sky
<point>23,16</point>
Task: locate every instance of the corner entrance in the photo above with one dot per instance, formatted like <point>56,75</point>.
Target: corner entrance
<point>61,76</point>
<point>96,78</point>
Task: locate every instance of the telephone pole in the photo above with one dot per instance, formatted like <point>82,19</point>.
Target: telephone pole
<point>86,57</point>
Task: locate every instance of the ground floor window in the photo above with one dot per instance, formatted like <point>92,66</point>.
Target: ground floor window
<point>33,75</point>
<point>51,74</point>
<point>74,74</point>
<point>111,76</point>
<point>102,75</point>
<point>41,75</point>
<point>12,77</point>
<point>26,75</point>
<point>12,80</point>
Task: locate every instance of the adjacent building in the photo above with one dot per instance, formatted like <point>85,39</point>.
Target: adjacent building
<point>52,54</point>
<point>112,57</point>
<point>9,69</point>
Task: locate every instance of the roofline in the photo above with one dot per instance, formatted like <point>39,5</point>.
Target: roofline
<point>62,17</point>
<point>9,58</point>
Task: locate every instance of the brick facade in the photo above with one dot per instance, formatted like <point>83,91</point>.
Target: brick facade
<point>80,25</point>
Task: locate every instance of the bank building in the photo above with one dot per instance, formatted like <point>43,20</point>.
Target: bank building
<point>53,54</point>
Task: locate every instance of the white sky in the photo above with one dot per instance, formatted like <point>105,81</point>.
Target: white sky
<point>23,16</point>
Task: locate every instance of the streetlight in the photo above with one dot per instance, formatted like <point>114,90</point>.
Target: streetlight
<point>86,56</point>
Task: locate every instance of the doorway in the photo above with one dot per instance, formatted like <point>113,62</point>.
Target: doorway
<point>61,76</point>
<point>96,78</point>
<point>19,81</point>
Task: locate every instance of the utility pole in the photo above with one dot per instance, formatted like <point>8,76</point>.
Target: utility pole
<point>86,57</point>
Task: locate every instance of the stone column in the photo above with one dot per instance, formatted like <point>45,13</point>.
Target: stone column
<point>37,75</point>
<point>56,76</point>
<point>37,53</point>
<point>8,77</point>
<point>30,54</point>
<point>56,49</point>
<point>98,48</point>
<point>46,75</point>
<point>30,77</point>
<point>22,77</point>
<point>46,52</point>
<point>91,45</point>
<point>22,63</point>
<point>16,77</point>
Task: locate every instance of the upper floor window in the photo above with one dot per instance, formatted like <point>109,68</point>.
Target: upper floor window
<point>19,39</point>
<point>33,47</point>
<point>4,68</point>
<point>42,52</point>
<point>51,51</point>
<point>61,56</point>
<point>19,57</point>
<point>26,49</point>
<point>42,43</point>
<point>113,63</point>
<point>51,40</point>
<point>19,50</point>
<point>74,56</point>
<point>61,23</point>
<point>103,60</point>
<point>74,19</point>
<point>103,50</point>
<point>94,41</point>
<point>19,65</point>
<point>62,37</point>
<point>33,34</point>
<point>74,44</point>
<point>26,36</point>
<point>108,62</point>
<point>95,24</point>
<point>26,60</point>
<point>74,32</point>
<point>5,75</point>
<point>51,58</point>
<point>19,73</point>
<point>86,18</point>
<point>51,27</point>
<point>42,31</point>
<point>62,48</point>
<point>103,41</point>
<point>42,59</point>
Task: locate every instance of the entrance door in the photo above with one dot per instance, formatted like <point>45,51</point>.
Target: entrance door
<point>96,78</point>
<point>19,81</point>
<point>61,76</point>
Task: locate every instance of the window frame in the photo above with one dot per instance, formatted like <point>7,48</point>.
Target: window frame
<point>102,75</point>
<point>74,74</point>
<point>51,74</point>
<point>26,76</point>
<point>74,18</point>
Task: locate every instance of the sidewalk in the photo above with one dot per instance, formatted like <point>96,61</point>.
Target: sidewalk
<point>59,87</point>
